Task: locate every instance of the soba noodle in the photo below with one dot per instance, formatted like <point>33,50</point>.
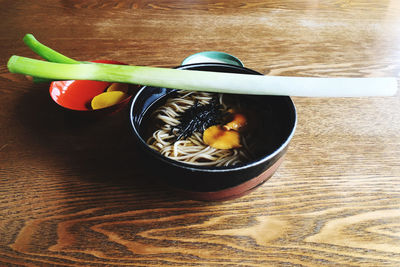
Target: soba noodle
<point>191,150</point>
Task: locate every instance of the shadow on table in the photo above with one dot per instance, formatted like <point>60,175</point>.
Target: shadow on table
<point>90,150</point>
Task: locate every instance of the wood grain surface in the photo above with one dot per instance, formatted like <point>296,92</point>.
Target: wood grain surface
<point>76,192</point>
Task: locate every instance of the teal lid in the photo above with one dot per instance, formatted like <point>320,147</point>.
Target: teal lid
<point>212,57</point>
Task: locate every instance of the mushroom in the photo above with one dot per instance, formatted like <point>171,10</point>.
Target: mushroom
<point>226,136</point>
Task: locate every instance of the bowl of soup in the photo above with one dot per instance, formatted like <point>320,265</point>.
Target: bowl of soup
<point>210,146</point>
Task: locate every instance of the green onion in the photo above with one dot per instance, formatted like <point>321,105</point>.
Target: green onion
<point>46,52</point>
<point>205,80</point>
<point>193,80</point>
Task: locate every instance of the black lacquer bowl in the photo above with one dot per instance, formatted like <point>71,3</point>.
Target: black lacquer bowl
<point>219,183</point>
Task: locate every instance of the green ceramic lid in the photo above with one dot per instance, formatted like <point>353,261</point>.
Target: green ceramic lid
<point>212,57</point>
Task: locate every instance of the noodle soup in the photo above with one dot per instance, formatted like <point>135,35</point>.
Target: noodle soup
<point>180,158</point>
<point>163,133</point>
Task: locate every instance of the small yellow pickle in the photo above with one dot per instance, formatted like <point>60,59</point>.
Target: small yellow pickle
<point>114,94</point>
<point>123,87</point>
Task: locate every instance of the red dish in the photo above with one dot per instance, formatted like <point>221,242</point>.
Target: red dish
<point>76,94</point>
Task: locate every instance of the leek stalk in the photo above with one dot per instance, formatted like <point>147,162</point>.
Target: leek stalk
<point>205,80</point>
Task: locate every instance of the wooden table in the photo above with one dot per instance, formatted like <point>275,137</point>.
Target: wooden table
<point>76,192</point>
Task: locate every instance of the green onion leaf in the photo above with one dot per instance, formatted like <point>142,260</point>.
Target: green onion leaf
<point>46,52</point>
